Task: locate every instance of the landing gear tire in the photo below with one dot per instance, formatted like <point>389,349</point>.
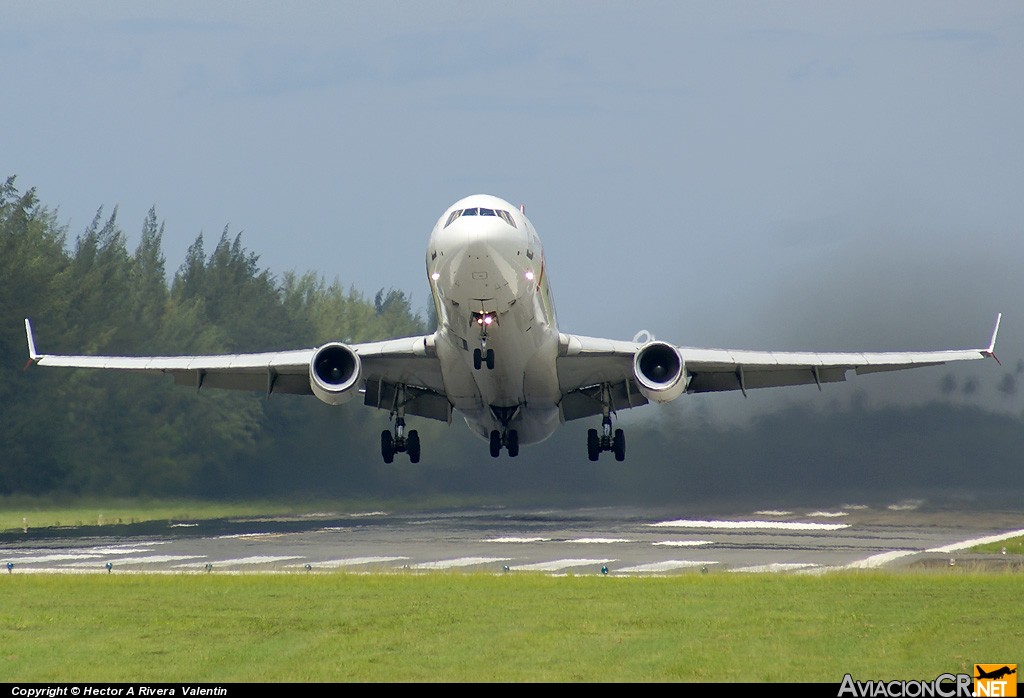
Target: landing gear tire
<point>412,446</point>
<point>481,359</point>
<point>593,444</point>
<point>513,443</point>
<point>387,446</point>
<point>619,445</point>
<point>495,443</point>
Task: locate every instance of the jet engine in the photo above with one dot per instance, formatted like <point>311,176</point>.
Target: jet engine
<point>660,372</point>
<point>334,373</point>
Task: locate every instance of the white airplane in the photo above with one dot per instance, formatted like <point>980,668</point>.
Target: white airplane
<point>498,357</point>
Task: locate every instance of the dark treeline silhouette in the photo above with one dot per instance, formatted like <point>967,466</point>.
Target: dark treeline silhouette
<point>73,432</point>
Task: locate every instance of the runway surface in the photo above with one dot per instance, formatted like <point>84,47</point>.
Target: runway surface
<point>608,541</point>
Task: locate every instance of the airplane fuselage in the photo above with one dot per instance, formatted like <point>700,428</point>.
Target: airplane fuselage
<point>497,337</point>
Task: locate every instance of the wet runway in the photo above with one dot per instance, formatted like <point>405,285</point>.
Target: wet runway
<point>610,541</point>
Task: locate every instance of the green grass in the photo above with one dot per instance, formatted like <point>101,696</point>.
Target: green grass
<point>505,628</point>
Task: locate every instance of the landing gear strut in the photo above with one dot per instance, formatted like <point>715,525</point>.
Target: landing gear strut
<point>399,441</point>
<point>606,440</point>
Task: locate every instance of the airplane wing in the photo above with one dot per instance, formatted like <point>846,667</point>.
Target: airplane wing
<point>585,364</point>
<point>409,362</point>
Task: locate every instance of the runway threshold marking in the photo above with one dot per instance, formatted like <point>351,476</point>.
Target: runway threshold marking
<point>457,562</point>
<point>780,525</point>
<point>776,567</point>
<point>354,561</point>
<point>254,560</point>
<point>144,560</point>
<point>667,566</point>
<point>556,565</point>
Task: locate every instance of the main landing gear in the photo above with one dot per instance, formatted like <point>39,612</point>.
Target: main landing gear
<point>399,441</point>
<point>607,440</point>
<point>509,438</point>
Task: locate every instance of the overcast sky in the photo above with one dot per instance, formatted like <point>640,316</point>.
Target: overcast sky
<point>765,175</point>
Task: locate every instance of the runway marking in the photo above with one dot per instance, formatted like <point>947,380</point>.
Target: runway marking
<point>599,540</point>
<point>879,559</point>
<point>230,536</point>
<point>254,560</point>
<point>827,514</point>
<point>682,543</point>
<point>776,567</point>
<point>667,565</point>
<point>145,560</point>
<point>114,550</point>
<point>773,512</point>
<point>34,559</point>
<point>512,539</point>
<point>977,541</point>
<point>782,525</point>
<point>458,562</point>
<point>352,561</point>
<point>556,565</point>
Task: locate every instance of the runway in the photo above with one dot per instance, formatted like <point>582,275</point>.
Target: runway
<point>606,541</point>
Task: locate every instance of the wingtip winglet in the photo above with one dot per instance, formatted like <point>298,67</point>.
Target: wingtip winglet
<point>991,351</point>
<point>33,355</point>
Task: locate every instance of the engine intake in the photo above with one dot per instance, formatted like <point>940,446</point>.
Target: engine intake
<point>660,372</point>
<point>334,373</point>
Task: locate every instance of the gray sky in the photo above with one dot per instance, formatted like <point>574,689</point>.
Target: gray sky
<point>780,175</point>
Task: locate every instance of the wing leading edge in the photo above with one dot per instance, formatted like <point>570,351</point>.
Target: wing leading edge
<point>409,362</point>
<point>586,363</point>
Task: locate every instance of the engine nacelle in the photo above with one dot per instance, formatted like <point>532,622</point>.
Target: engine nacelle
<point>334,373</point>
<point>660,372</point>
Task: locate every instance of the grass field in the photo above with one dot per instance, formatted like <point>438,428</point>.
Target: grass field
<point>461,627</point>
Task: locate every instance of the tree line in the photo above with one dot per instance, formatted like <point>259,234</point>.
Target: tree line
<point>77,431</point>
<point>81,431</point>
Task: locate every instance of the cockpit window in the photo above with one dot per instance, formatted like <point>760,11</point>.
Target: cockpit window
<point>504,215</point>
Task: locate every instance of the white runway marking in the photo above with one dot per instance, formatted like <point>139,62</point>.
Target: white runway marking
<point>145,560</point>
<point>57,557</point>
<point>458,562</point>
<point>773,512</point>
<point>352,561</point>
<point>827,514</point>
<point>667,566</point>
<point>511,539</point>
<point>776,567</point>
<point>599,540</point>
<point>682,543</point>
<point>879,559</point>
<point>556,565</point>
<point>781,525</point>
<point>977,541</point>
<point>254,560</point>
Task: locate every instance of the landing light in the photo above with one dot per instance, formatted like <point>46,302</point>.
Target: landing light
<point>435,276</point>
<point>529,276</point>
